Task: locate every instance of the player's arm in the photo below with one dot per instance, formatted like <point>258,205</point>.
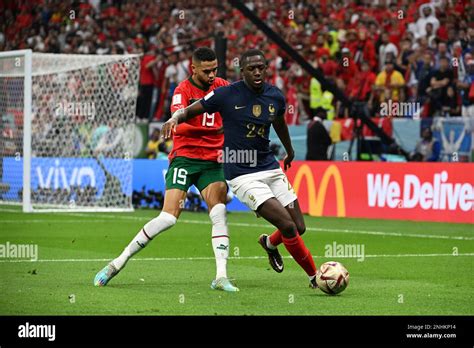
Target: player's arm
<point>180,100</point>
<point>180,116</point>
<point>281,130</point>
<point>210,103</point>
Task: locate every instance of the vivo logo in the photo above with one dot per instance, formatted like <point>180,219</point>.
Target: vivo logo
<point>56,177</point>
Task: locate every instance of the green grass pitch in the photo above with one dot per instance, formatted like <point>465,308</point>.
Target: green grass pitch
<point>410,268</point>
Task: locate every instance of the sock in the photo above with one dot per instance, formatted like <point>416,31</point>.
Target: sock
<point>151,229</point>
<point>274,239</point>
<point>220,239</point>
<point>301,254</point>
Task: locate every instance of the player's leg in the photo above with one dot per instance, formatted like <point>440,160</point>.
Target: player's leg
<point>297,216</point>
<point>254,191</point>
<point>293,208</point>
<point>165,220</point>
<point>214,192</point>
<point>272,211</point>
<point>178,180</point>
<point>214,195</point>
<point>172,208</point>
<point>284,192</point>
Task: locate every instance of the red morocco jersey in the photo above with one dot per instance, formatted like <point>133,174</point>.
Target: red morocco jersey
<point>193,138</point>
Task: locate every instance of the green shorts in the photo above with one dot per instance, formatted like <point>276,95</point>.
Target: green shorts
<point>184,172</point>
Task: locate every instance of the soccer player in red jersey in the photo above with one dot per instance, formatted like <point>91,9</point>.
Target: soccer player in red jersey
<point>194,159</point>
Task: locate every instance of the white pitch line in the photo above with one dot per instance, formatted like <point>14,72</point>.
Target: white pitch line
<point>50,221</point>
<point>6,210</point>
<point>335,230</point>
<point>232,258</point>
<point>240,224</point>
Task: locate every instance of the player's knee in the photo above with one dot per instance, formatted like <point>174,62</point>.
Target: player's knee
<point>218,215</point>
<point>159,224</point>
<point>173,209</point>
<point>301,228</point>
<point>288,229</point>
<point>167,220</point>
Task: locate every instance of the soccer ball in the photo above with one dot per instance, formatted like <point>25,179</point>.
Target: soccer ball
<point>332,277</point>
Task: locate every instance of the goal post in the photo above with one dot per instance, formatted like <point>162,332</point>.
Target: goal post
<point>67,130</point>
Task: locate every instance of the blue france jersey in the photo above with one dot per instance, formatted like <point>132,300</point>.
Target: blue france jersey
<point>247,117</point>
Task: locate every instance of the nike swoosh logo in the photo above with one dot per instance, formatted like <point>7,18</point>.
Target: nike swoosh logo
<point>239,107</point>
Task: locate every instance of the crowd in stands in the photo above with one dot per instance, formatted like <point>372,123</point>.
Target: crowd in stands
<point>401,51</point>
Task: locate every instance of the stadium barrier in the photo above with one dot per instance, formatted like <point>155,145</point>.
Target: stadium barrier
<point>404,191</point>
<point>440,192</point>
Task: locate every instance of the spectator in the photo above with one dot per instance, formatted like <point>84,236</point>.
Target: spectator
<point>451,106</point>
<point>423,74</point>
<point>385,47</point>
<point>120,27</point>
<point>427,149</point>
<point>170,82</point>
<point>328,66</point>
<point>365,51</point>
<point>347,67</point>
<point>440,82</point>
<point>430,35</point>
<point>467,90</point>
<point>183,66</point>
<point>156,146</point>
<point>320,99</point>
<point>332,43</point>
<point>403,58</point>
<point>318,139</point>
<point>360,87</point>
<point>389,84</point>
<point>158,68</point>
<point>146,84</point>
<point>390,57</point>
<point>441,52</point>
<point>427,15</point>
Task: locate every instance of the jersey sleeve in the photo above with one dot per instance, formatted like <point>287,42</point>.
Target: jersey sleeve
<point>215,100</point>
<point>180,99</point>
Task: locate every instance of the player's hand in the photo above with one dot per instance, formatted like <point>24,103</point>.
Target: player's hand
<point>287,160</point>
<point>168,128</point>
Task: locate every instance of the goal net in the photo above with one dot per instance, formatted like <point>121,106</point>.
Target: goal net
<point>66,130</point>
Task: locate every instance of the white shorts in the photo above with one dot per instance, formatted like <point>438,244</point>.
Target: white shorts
<point>255,188</point>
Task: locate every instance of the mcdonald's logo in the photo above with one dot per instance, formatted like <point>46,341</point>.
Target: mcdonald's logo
<point>316,201</point>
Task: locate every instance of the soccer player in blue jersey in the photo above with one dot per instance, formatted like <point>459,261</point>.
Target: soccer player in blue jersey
<point>248,108</point>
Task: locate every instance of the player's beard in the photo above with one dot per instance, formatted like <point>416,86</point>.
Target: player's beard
<point>206,84</point>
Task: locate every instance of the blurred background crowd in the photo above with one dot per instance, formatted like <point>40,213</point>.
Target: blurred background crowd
<point>377,52</point>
